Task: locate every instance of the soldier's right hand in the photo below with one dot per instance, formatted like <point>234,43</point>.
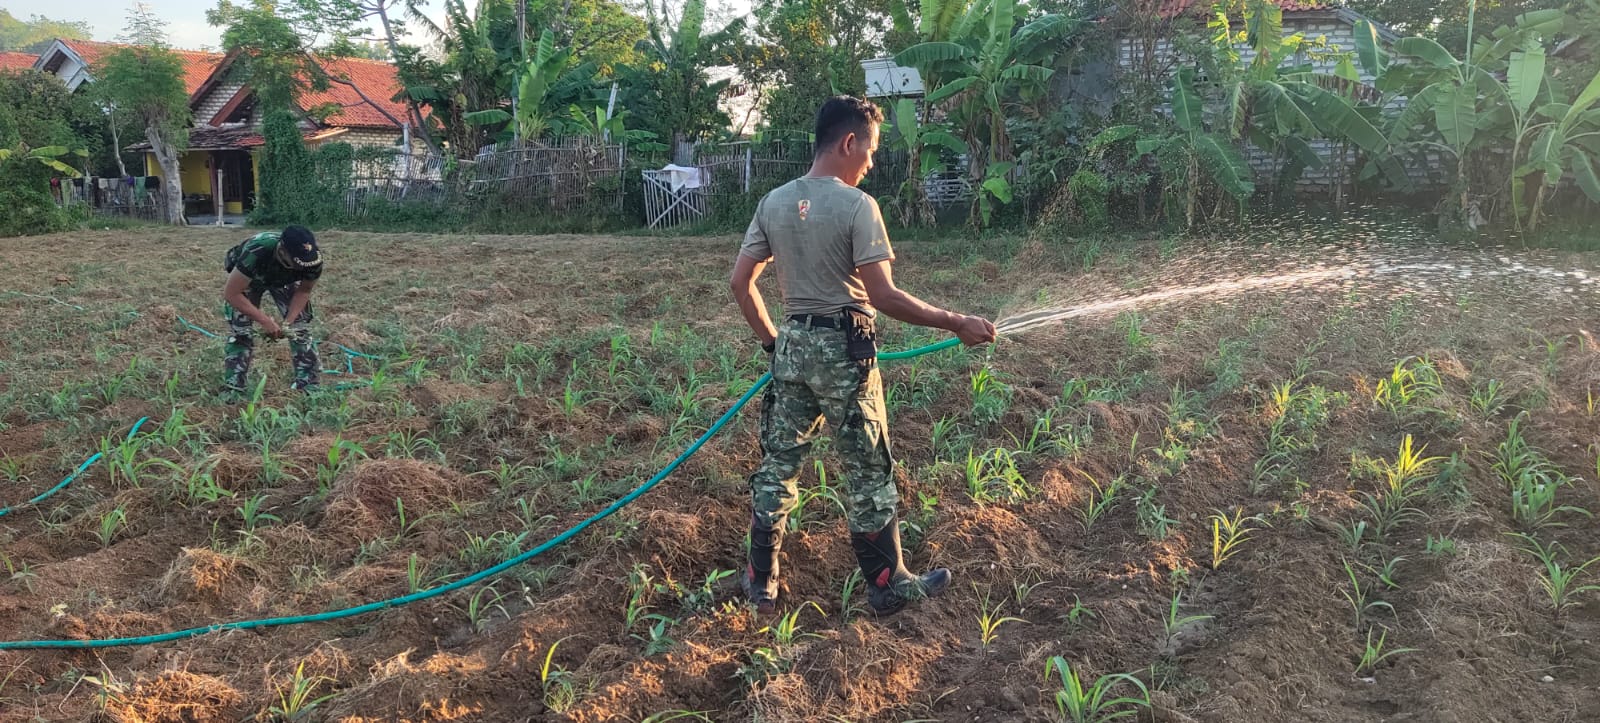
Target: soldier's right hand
<point>974,330</point>
<point>272,330</point>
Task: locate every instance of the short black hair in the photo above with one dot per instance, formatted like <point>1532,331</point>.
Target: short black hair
<point>842,115</point>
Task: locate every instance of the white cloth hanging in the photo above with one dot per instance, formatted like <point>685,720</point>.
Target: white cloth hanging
<point>682,177</point>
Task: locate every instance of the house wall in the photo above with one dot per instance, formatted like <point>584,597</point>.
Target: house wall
<point>219,96</point>
<point>196,176</point>
<point>192,171</point>
<point>368,137</point>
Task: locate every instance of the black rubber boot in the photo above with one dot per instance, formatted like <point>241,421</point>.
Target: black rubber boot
<point>889,584</point>
<point>761,575</point>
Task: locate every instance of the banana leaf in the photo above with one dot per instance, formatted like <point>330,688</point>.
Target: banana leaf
<point>1583,172</point>
<point>924,55</point>
<point>951,88</point>
<point>1426,50</point>
<point>1369,49</point>
<point>1455,113</point>
<point>1225,164</point>
<point>1186,108</point>
<point>1524,75</point>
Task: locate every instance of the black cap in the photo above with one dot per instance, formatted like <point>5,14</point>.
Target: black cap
<point>300,246</point>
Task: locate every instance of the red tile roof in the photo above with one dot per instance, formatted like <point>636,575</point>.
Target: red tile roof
<point>1169,9</point>
<point>378,80</point>
<point>197,64</point>
<point>16,61</point>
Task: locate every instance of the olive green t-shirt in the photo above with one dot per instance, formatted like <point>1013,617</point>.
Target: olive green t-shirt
<point>817,231</point>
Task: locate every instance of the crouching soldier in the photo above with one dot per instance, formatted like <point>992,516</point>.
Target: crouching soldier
<point>285,266</point>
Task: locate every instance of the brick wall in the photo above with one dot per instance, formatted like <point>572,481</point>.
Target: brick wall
<point>1424,168</point>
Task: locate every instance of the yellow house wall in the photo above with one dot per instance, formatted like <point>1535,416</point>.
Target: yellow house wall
<point>192,169</point>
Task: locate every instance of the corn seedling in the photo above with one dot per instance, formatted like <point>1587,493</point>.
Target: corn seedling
<point>1100,501</point>
<point>990,397</point>
<point>1353,535</point>
<point>640,585</point>
<point>994,477</point>
<point>1228,535</point>
<point>298,698</point>
<point>917,525</point>
<point>529,516</point>
<point>700,598</point>
<point>1552,356</point>
<point>479,609</point>
<point>1559,583</point>
<point>1532,480</point>
<point>1387,572</point>
<point>1373,654</point>
<point>1406,476</point>
<point>493,549</point>
<point>1173,624</point>
<point>559,691</point>
<point>673,715</point>
<point>1151,517</point>
<point>990,620</point>
<point>14,469</point>
<point>848,607</point>
<point>341,454</point>
<point>122,459</point>
<point>507,476</point>
<point>946,436</point>
<point>1079,615</point>
<point>1132,327</point>
<point>1439,546</point>
<point>18,572</point>
<point>1387,515</point>
<point>412,445</point>
<point>786,632</point>
<point>1098,702</point>
<point>200,484</point>
<point>656,640</point>
<point>1489,399</point>
<point>1022,590</point>
<point>112,523</point>
<point>1359,597</point>
<point>111,690</point>
<point>414,580</point>
<point>1412,382</point>
<point>252,515</point>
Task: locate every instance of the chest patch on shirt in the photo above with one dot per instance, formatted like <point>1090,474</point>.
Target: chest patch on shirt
<point>805,208</point>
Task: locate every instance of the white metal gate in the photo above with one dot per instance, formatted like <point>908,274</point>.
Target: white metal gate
<point>665,206</point>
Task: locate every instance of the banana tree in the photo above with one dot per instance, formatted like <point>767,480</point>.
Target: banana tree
<point>1281,108</point>
<point>1569,138</point>
<point>924,144</point>
<point>1199,150</point>
<point>1463,97</point>
<point>47,156</point>
<point>980,71</point>
<point>546,83</point>
<point>671,89</point>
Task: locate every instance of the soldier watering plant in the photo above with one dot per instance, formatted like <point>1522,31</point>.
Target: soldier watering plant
<point>833,260</point>
<point>286,267</point>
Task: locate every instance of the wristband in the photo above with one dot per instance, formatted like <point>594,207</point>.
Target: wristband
<point>770,347</point>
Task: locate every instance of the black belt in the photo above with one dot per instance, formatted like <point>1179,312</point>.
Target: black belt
<point>823,321</point>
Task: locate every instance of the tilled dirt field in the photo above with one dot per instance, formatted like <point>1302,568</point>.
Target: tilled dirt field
<point>1080,479</point>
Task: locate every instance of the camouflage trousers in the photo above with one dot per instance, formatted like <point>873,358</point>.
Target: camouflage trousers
<point>240,349</point>
<point>814,379</point>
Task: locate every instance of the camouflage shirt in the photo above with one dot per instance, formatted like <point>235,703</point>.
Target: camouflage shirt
<point>257,259</point>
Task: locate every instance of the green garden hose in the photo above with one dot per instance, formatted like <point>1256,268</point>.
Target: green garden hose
<point>350,355</point>
<point>80,470</point>
<point>470,579</point>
